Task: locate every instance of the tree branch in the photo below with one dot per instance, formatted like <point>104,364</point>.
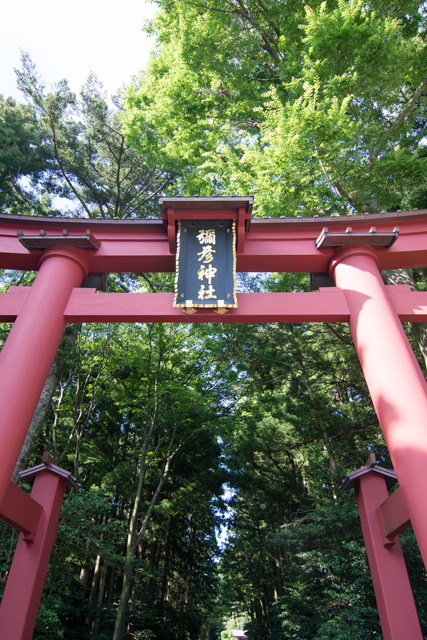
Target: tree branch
<point>399,120</point>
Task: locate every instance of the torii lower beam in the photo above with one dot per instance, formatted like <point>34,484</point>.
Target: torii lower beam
<point>327,305</point>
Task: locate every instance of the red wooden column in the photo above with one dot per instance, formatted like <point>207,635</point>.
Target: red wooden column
<point>396,606</point>
<point>397,386</point>
<point>30,348</point>
<point>24,586</point>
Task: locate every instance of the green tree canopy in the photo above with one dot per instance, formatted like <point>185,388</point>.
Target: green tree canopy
<point>67,152</point>
<point>315,107</point>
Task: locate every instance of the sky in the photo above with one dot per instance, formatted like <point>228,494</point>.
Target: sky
<point>69,39</point>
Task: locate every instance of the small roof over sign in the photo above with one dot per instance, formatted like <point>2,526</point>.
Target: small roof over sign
<point>212,203</point>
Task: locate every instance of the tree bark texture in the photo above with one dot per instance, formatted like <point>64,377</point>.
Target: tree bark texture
<point>46,395</point>
<point>37,421</point>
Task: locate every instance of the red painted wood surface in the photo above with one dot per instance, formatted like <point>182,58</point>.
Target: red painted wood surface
<point>396,383</point>
<point>21,597</point>
<point>30,348</point>
<point>327,305</point>
<point>397,386</point>
<point>396,606</point>
<point>270,245</point>
<point>21,511</point>
<point>394,514</point>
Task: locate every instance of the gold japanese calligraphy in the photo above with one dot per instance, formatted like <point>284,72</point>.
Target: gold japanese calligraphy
<point>206,254</point>
<point>206,236</point>
<point>207,273</point>
<point>207,277</point>
<point>206,293</point>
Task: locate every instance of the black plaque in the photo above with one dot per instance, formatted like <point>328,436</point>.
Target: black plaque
<point>206,264</point>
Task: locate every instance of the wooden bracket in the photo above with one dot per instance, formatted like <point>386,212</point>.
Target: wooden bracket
<point>221,308</point>
<point>241,230</point>
<point>170,213</point>
<point>189,309</point>
<point>393,515</point>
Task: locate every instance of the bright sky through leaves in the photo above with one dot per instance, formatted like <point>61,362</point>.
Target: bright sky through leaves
<point>68,40</point>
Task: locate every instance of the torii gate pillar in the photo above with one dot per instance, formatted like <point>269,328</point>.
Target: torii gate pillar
<point>30,348</point>
<point>382,518</point>
<point>396,384</point>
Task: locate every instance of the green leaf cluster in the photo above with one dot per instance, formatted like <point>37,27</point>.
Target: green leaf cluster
<point>316,108</point>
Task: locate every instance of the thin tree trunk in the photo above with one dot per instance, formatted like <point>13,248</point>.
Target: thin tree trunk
<point>326,442</point>
<point>37,421</point>
<point>51,383</point>
<point>165,562</point>
<point>155,554</point>
<point>94,589</point>
<point>135,537</point>
<point>189,567</point>
<point>100,600</point>
<point>279,577</point>
<point>122,609</point>
<point>111,586</point>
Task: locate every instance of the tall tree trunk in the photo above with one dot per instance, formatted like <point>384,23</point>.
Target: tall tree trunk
<point>100,600</point>
<point>278,572</point>
<point>37,421</point>
<point>111,586</point>
<point>135,536</point>
<point>119,630</point>
<point>51,383</point>
<point>94,590</point>
<point>165,562</point>
<point>153,562</point>
<point>189,566</point>
<point>326,442</point>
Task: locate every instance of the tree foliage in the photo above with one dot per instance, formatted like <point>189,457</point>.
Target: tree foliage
<point>315,107</point>
<point>76,157</point>
<point>177,431</point>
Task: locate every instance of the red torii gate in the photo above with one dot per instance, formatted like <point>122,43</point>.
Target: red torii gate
<point>351,249</point>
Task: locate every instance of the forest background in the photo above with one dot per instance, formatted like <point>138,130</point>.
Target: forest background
<point>177,433</point>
